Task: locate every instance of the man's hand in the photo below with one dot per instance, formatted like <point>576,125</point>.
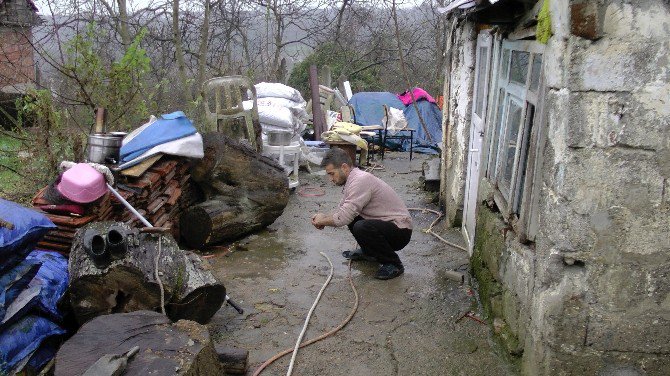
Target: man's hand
<point>317,221</point>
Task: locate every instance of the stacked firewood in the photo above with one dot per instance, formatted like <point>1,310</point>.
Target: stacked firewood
<point>160,194</point>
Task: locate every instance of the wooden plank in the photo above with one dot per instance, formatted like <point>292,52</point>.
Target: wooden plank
<point>141,167</point>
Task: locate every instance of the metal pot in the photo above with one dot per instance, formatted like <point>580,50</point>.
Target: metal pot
<point>279,138</point>
<point>105,147</point>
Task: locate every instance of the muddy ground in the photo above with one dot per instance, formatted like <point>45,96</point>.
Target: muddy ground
<point>404,326</point>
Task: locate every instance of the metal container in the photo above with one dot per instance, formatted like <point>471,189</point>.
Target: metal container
<point>105,147</point>
<point>279,138</point>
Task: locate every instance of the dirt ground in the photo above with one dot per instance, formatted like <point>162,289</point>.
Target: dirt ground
<point>404,326</point>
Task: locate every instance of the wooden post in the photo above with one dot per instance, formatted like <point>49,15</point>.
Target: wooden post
<point>318,118</point>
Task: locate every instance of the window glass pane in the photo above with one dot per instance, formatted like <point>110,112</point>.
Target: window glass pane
<point>495,135</point>
<point>481,80</point>
<point>535,72</point>
<point>513,122</point>
<point>504,64</point>
<point>523,160</point>
<point>518,70</point>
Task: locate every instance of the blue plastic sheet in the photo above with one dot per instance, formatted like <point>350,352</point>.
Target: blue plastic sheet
<point>14,281</point>
<point>23,338</point>
<point>432,117</point>
<point>369,106</point>
<point>29,227</point>
<point>168,128</point>
<point>52,279</point>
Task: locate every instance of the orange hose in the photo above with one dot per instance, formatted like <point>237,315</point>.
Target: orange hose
<point>319,338</point>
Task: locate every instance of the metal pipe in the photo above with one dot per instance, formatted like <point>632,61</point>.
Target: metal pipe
<point>130,207</point>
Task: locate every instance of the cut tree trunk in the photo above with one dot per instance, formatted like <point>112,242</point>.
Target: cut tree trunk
<point>182,348</point>
<point>244,192</point>
<point>200,296</point>
<point>129,283</point>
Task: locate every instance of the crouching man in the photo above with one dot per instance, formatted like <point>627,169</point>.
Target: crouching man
<point>375,215</point>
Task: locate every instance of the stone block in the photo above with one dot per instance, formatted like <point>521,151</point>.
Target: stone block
<point>584,20</point>
<point>555,66</point>
<point>626,236</point>
<point>615,65</point>
<point>560,18</point>
<point>518,271</point>
<point>489,240</point>
<point>595,179</point>
<point>639,20</point>
<point>631,120</point>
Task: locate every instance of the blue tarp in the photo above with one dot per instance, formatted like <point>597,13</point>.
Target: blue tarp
<point>369,106</point>
<point>168,128</point>
<point>23,338</point>
<point>369,110</point>
<point>432,117</point>
<point>29,227</point>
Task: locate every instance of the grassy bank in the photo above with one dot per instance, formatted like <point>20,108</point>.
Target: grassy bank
<point>10,162</point>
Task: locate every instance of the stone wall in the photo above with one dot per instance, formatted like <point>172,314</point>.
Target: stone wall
<point>592,295</point>
<point>456,123</point>
<point>602,296</point>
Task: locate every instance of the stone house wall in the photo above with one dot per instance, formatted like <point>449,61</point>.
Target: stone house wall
<point>456,123</point>
<point>591,294</point>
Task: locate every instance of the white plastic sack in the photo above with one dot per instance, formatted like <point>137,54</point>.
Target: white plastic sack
<point>297,108</point>
<point>396,121</point>
<point>277,90</point>
<point>277,116</point>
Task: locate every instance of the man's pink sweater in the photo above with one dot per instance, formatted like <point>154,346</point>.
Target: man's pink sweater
<point>371,198</point>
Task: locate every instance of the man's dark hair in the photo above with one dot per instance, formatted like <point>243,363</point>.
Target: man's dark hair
<point>336,157</point>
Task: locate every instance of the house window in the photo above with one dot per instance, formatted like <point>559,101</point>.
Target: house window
<point>513,133</point>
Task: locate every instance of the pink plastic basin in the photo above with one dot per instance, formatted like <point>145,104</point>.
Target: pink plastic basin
<point>82,184</point>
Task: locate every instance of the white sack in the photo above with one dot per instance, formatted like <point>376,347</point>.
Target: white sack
<point>277,116</point>
<point>297,108</point>
<point>277,90</point>
<point>396,120</point>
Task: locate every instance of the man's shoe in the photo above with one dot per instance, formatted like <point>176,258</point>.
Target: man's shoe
<point>389,271</point>
<point>357,255</point>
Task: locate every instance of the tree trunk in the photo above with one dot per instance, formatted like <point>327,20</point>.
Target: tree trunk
<point>201,294</point>
<point>202,49</point>
<point>182,348</point>
<point>129,283</point>
<point>244,192</point>
<point>179,52</point>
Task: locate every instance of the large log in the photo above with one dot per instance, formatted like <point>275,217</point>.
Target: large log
<point>129,283</point>
<point>182,348</point>
<point>201,294</point>
<point>244,192</point>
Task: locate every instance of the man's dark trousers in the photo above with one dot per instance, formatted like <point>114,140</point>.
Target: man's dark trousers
<point>380,239</point>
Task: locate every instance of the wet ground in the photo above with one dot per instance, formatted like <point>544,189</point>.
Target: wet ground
<point>405,326</point>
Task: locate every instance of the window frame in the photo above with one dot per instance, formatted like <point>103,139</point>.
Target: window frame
<point>529,143</point>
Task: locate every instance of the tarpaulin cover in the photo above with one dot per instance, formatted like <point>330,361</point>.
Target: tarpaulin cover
<point>14,281</point>
<point>432,116</point>
<point>29,227</point>
<point>369,106</point>
<point>23,338</point>
<point>168,128</point>
<point>45,290</point>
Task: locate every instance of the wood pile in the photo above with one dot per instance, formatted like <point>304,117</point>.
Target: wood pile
<point>160,194</point>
